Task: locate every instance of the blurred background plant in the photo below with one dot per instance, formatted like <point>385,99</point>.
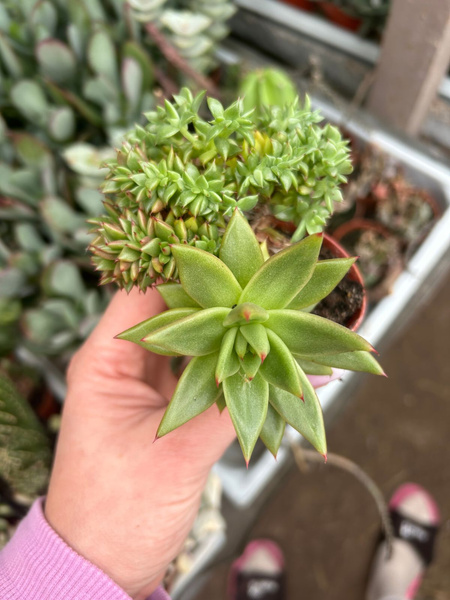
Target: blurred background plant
<point>73,78</point>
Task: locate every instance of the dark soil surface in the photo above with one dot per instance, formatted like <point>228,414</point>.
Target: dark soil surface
<point>344,301</point>
<point>398,430</point>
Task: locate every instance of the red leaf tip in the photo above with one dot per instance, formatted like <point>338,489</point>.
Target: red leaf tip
<point>263,357</point>
<point>319,234</point>
<point>247,462</point>
<point>156,438</point>
<point>247,315</point>
<point>325,457</point>
<point>217,382</point>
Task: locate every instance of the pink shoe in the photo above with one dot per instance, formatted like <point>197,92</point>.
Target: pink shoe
<point>415,518</point>
<point>258,574</point>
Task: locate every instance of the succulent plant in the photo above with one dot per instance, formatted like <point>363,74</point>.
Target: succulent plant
<point>266,87</point>
<point>373,13</point>
<point>404,209</point>
<point>178,178</point>
<point>25,454</point>
<point>246,323</point>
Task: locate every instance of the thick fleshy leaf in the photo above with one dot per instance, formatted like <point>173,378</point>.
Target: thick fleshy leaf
<point>256,336</point>
<point>250,364</point>
<point>327,274</point>
<point>240,249</point>
<point>273,430</point>
<point>282,277</point>
<point>175,297</point>
<point>312,368</point>
<point>280,368</point>
<point>196,392</point>
<point>195,335</point>
<point>246,313</point>
<point>241,345</point>
<point>228,362</point>
<point>306,334</point>
<point>352,361</point>
<point>247,403</point>
<point>205,278</point>
<point>56,61</point>
<point>138,332</point>
<point>305,417</point>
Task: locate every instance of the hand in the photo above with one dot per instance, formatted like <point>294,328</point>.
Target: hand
<point>118,499</point>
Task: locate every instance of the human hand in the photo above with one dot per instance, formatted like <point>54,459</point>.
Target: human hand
<point>118,499</point>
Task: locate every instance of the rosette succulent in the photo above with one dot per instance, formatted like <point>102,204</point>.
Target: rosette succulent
<point>245,322</point>
<point>178,178</point>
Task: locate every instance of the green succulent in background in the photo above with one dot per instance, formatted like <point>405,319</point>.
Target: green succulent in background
<point>25,454</point>
<point>373,13</point>
<point>246,323</point>
<point>266,87</point>
<point>178,178</point>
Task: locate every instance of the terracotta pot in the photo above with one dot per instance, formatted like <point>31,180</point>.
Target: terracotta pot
<point>302,4</point>
<point>393,267</point>
<point>339,17</point>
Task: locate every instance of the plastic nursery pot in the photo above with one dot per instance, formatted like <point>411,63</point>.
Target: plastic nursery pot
<point>349,233</point>
<point>339,17</point>
<point>302,4</point>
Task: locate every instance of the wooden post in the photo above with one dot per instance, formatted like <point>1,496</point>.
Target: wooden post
<point>414,58</point>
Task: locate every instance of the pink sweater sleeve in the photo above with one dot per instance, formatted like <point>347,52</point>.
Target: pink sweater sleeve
<point>38,565</point>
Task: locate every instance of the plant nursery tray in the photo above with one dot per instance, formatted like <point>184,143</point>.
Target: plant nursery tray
<point>204,555</point>
<point>243,486</point>
<point>312,27</point>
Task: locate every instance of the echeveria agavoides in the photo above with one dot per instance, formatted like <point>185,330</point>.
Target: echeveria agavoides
<point>243,320</point>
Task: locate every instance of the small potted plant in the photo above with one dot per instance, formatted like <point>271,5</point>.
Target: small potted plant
<point>179,194</point>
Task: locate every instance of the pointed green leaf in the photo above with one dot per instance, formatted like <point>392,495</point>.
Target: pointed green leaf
<point>195,335</point>
<point>282,277</point>
<point>240,249</point>
<point>175,297</point>
<point>306,334</point>
<point>351,361</point>
<point>196,392</point>
<point>138,332</point>
<point>327,274</point>
<point>205,278</point>
<point>246,313</point>
<point>250,364</point>
<point>305,417</point>
<point>241,345</point>
<point>247,404</point>
<point>228,362</point>
<point>256,336</point>
<point>221,404</point>
<point>273,430</point>
<point>280,368</point>
<point>312,368</point>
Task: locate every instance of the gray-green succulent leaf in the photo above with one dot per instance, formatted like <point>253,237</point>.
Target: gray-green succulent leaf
<point>234,314</point>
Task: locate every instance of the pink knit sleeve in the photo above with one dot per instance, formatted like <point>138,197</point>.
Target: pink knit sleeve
<point>38,565</point>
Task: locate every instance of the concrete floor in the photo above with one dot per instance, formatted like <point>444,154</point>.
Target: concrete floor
<point>398,430</point>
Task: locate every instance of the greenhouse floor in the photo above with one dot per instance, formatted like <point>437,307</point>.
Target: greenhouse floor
<point>397,429</point>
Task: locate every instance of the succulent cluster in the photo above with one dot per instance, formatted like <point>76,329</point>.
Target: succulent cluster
<point>177,178</point>
<point>246,323</point>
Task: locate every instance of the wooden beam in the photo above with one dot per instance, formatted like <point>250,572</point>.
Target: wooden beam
<point>414,58</point>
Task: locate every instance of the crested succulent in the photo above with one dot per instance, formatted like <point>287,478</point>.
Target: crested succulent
<point>245,322</point>
<point>178,178</point>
